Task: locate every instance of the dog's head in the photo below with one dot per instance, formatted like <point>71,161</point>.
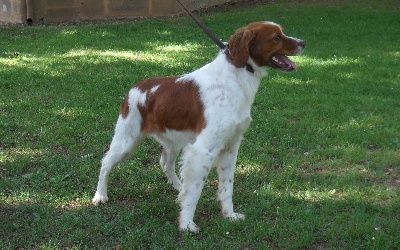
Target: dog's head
<point>266,44</point>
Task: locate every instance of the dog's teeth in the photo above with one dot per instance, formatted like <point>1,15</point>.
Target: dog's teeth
<point>276,60</point>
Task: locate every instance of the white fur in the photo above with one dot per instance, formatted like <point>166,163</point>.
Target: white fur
<point>227,93</point>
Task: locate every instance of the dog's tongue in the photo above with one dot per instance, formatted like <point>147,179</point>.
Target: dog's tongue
<point>285,63</point>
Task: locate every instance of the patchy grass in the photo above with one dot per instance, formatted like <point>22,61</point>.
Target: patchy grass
<point>318,169</point>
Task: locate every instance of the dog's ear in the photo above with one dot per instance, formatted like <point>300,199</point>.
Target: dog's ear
<point>239,46</point>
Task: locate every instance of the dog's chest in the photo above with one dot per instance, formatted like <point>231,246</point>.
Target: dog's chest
<point>227,102</point>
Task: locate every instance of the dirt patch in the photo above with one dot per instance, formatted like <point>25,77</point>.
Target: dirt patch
<point>392,177</point>
<point>233,5</point>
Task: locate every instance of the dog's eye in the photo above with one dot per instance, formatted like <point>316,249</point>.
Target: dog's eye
<point>278,38</point>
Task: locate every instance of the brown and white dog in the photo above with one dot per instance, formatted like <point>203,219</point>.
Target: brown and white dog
<point>205,113</point>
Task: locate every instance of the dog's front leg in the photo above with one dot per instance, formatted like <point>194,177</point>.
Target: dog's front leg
<point>196,166</point>
<point>225,165</point>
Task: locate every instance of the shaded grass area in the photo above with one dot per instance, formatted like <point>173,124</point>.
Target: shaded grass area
<point>318,169</point>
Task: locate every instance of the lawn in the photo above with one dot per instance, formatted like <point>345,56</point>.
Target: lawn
<point>319,167</point>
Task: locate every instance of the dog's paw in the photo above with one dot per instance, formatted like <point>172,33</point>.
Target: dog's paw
<point>99,198</point>
<point>190,227</point>
<point>236,217</point>
<point>177,186</point>
<point>176,183</point>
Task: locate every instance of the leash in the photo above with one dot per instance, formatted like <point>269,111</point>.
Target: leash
<point>213,37</point>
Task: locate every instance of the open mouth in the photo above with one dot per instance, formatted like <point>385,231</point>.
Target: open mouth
<point>283,63</point>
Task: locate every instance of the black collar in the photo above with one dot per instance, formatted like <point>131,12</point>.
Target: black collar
<point>249,68</point>
<point>230,59</point>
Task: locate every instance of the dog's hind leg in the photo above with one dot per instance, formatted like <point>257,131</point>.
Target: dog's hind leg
<point>126,137</point>
<point>167,162</point>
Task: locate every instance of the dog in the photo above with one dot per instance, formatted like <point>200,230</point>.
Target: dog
<point>203,114</point>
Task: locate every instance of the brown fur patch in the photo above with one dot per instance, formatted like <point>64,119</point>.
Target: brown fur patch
<point>173,105</point>
<point>125,107</point>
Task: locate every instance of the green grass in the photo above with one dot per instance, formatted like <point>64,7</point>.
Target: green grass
<point>319,167</point>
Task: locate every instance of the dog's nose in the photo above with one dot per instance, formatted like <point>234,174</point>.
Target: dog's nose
<point>302,43</point>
